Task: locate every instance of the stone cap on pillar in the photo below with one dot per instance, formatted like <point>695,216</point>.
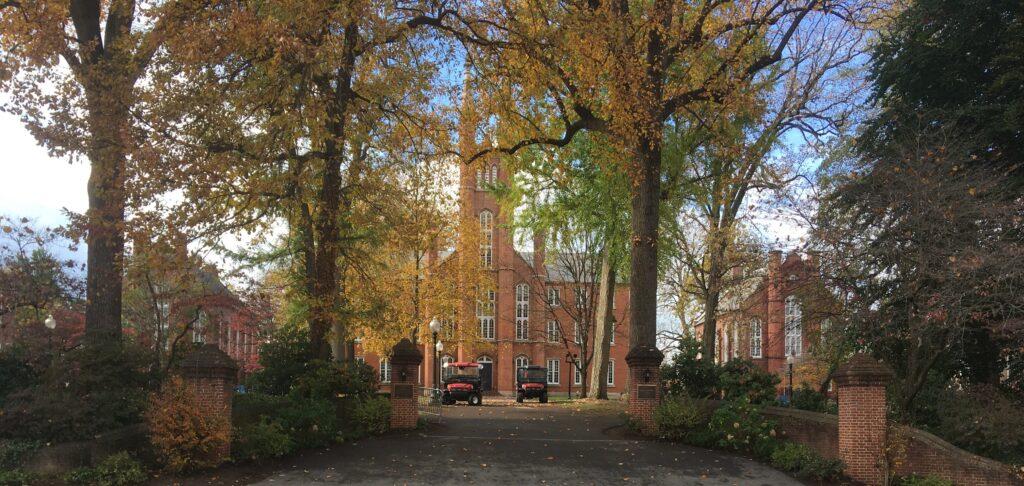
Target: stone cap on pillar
<point>863,370</point>
<point>208,361</point>
<point>644,356</point>
<point>406,353</point>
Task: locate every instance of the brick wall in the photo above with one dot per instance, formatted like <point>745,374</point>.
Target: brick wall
<point>862,426</point>
<point>644,376</point>
<point>925,454</point>
<point>818,431</point>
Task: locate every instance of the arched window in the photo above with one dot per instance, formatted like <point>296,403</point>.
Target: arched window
<point>385,371</point>
<point>755,338</point>
<point>485,315</point>
<point>447,371</point>
<point>794,327</point>
<point>484,359</point>
<point>486,238</point>
<point>522,312</point>
<point>494,174</point>
<point>522,361</point>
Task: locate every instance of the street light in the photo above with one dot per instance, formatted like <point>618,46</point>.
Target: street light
<point>435,326</point>
<point>571,359</point>
<point>789,373</point>
<point>50,322</point>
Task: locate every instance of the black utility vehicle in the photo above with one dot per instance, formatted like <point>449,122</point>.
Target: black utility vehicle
<point>532,382</point>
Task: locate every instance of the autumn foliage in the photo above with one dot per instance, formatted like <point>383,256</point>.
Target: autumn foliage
<point>183,434</point>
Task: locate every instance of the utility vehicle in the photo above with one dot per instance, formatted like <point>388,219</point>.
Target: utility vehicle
<point>532,382</point>
<point>462,384</point>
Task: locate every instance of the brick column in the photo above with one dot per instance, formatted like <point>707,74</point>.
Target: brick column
<point>862,418</point>
<point>644,386</point>
<point>211,375</point>
<point>405,358</point>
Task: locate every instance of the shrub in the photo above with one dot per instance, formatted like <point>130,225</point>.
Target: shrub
<point>807,398</point>
<point>14,451</point>
<point>119,469</point>
<point>284,358</point>
<point>740,426</point>
<point>331,380</point>
<point>979,419</point>
<point>85,392</point>
<point>680,418</point>
<point>262,440</point>
<point>185,436</point>
<point>15,477</point>
<point>372,415</point>
<point>688,376</point>
<point>805,463</point>
<point>310,422</point>
<point>920,481</point>
<point>16,373</point>
<point>251,408</point>
<point>740,379</point>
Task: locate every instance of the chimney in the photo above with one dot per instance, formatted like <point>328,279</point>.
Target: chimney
<point>539,242</point>
<point>774,263</point>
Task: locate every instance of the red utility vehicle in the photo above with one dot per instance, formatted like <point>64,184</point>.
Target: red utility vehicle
<point>462,385</point>
<point>532,382</point>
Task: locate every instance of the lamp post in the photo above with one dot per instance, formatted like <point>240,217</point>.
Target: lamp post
<point>50,322</point>
<point>789,374</point>
<point>435,326</point>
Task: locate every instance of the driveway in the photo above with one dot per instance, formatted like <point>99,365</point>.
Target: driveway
<point>513,444</point>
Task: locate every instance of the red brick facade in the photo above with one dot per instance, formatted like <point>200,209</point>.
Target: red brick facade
<point>511,269</point>
<point>753,326</point>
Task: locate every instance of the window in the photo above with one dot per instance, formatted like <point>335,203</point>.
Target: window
<point>554,297</point>
<point>755,338</point>
<point>735,340</point>
<point>494,174</point>
<point>611,338</point>
<point>577,377</point>
<point>794,327</point>
<point>581,297</point>
<point>448,328</point>
<point>198,328</point>
<point>522,312</point>
<point>553,334</point>
<point>825,326</point>
<point>479,179</point>
<point>385,371</point>
<point>486,238</point>
<point>577,338</point>
<point>447,371</point>
<point>522,361</point>
<point>553,375</point>
<point>360,359</point>
<point>611,372</point>
<point>485,314</point>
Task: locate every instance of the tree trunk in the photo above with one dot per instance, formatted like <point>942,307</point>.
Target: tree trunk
<point>643,284</point>
<point>325,285</point>
<point>711,298</point>
<point>603,330</point>
<point>108,120</point>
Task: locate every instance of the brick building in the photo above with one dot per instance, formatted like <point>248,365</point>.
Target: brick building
<point>527,314</point>
<point>782,316</point>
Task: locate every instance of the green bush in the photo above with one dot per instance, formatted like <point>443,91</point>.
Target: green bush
<point>681,418</point>
<point>920,481</point>
<point>688,376</point>
<point>14,451</point>
<point>980,419</point>
<point>310,422</point>
<point>119,469</point>
<point>262,440</point>
<point>372,415</point>
<point>15,477</point>
<point>252,408</point>
<point>284,358</point>
<point>807,398</point>
<point>330,380</point>
<point>16,371</point>
<point>740,426</point>
<point>803,462</point>
<point>85,392</point>
<point>740,379</point>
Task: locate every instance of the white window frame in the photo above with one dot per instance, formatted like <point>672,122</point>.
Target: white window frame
<point>554,297</point>
<point>522,312</point>
<point>486,238</point>
<point>554,371</point>
<point>735,340</point>
<point>485,316</point>
<point>385,370</point>
<point>522,361</point>
<point>756,330</point>
<point>577,377</point>
<point>494,174</point>
<point>479,179</point>
<point>611,338</point>
<point>610,379</point>
<point>554,333</point>
<point>447,371</point>
<point>793,327</point>
<point>576,337</point>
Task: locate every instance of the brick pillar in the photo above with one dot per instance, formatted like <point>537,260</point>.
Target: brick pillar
<point>211,375</point>
<point>862,418</point>
<point>405,358</point>
<point>644,386</point>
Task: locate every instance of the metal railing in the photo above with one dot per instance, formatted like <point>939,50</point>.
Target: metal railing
<point>428,403</point>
